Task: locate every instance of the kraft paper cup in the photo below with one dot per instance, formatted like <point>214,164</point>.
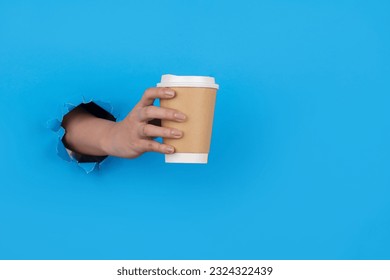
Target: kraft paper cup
<point>195,97</point>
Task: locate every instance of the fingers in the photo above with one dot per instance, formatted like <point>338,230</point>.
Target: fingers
<point>145,111</point>
<point>153,112</point>
<point>148,130</point>
<point>152,93</point>
<point>153,146</point>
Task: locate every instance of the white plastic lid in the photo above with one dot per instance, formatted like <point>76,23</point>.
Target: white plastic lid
<point>169,80</point>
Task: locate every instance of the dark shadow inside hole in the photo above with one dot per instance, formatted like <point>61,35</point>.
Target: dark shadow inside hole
<point>97,111</point>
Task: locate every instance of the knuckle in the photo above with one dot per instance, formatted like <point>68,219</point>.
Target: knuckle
<point>148,111</point>
<point>151,146</point>
<point>148,91</point>
<point>136,146</point>
<point>167,132</point>
<point>140,147</point>
<point>146,130</point>
<point>160,91</point>
<point>139,112</point>
<point>148,94</point>
<point>168,114</point>
<point>142,129</point>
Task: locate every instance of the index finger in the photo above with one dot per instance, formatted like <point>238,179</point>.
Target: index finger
<point>152,93</point>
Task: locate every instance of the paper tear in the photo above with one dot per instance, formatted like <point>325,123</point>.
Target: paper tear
<point>66,154</point>
<point>89,167</point>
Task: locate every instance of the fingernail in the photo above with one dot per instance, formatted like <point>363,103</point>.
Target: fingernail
<point>169,93</point>
<point>176,133</point>
<point>169,150</point>
<point>180,116</point>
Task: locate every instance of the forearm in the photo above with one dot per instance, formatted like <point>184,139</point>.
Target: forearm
<point>85,133</point>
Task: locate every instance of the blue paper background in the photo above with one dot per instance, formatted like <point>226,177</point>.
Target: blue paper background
<point>300,157</point>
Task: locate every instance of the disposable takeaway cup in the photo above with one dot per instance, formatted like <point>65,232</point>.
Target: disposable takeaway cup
<point>195,97</point>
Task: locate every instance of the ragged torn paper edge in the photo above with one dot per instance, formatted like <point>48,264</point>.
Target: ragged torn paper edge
<point>62,151</point>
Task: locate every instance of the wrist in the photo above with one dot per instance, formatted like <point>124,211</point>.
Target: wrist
<point>106,141</point>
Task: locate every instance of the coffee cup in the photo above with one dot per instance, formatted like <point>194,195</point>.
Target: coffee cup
<point>195,97</point>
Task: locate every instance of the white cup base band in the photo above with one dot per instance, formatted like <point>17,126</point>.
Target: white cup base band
<point>186,158</point>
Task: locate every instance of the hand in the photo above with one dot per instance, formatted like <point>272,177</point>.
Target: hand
<point>134,135</point>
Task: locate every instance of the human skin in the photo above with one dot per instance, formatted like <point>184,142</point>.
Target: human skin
<point>129,138</point>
